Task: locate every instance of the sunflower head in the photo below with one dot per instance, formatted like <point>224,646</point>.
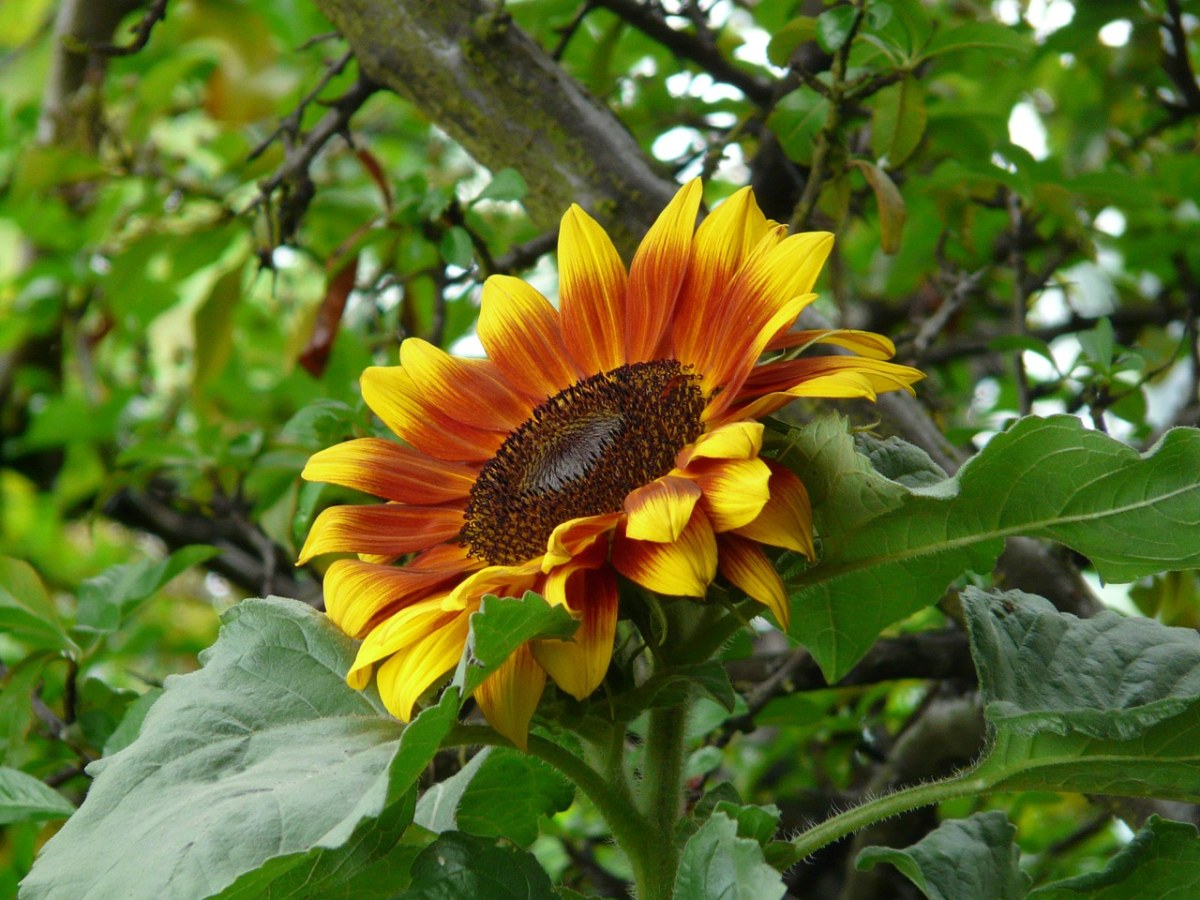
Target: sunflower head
<point>614,436</point>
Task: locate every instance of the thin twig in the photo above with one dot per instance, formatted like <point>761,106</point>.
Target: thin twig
<point>141,33</point>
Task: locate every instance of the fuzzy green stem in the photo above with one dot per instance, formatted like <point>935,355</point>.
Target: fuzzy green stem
<point>632,832</point>
<point>662,795</point>
<point>884,807</point>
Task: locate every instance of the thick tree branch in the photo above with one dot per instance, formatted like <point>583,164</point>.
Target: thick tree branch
<point>485,82</point>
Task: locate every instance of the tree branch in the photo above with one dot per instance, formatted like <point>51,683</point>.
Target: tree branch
<point>650,21</point>
<point>468,68</point>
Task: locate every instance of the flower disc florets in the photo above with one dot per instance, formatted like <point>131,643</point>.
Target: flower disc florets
<point>580,454</point>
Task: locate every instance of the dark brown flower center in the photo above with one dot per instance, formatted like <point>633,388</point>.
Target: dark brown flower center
<point>580,454</point>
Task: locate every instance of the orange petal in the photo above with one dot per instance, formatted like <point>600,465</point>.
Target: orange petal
<point>503,581</point>
<point>468,390</point>
<point>381,529</point>
<point>746,567</point>
<point>360,593</point>
<point>574,536</point>
<point>509,696</point>
<point>401,629</point>
<point>722,243</point>
<point>520,331</point>
<point>864,343</point>
<point>390,392</point>
<point>786,519</point>
<point>657,272</point>
<point>684,568</point>
<point>734,440</point>
<point>387,470</point>
<point>660,510</point>
<point>591,287</point>
<point>413,669</point>
<point>821,376</point>
<point>734,490</point>
<point>734,367</point>
<point>769,279</point>
<point>579,665</point>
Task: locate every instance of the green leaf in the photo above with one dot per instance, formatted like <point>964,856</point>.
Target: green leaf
<point>898,122</point>
<point>1161,861</point>
<point>507,184</point>
<point>109,598</point>
<point>672,688</point>
<point>899,461</point>
<point>462,865</point>
<point>784,42</point>
<point>510,794</point>
<point>892,211</point>
<point>26,610</point>
<point>498,793</point>
<point>716,863</point>
<point>978,36</point>
<point>1105,705</point>
<point>456,247</point>
<point>264,754</point>
<point>131,723</point>
<point>25,799</point>
<point>888,551</point>
<point>834,27</point>
<point>1108,676</point>
<point>973,857</point>
<point>796,120</point>
<point>1098,343</point>
<point>759,823</point>
<point>501,625</point>
<point>212,327</point>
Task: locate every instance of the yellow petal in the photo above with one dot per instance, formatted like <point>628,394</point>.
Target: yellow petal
<point>388,470</point>
<point>396,634</point>
<point>722,243</point>
<point>390,393</point>
<point>503,581</point>
<point>684,568</point>
<point>472,391</point>
<point>786,519</point>
<point>579,665</point>
<point>412,671</point>
<point>509,696</point>
<point>521,332</point>
<point>657,273</point>
<point>746,567</point>
<point>591,287</point>
<point>357,593</point>
<point>735,490</point>
<point>734,440</point>
<point>384,528</point>
<point>574,536</point>
<point>864,343</point>
<point>660,510</point>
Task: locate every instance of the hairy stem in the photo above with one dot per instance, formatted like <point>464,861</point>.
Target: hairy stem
<point>859,817</point>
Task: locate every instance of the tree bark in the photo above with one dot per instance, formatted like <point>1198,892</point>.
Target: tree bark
<point>480,78</point>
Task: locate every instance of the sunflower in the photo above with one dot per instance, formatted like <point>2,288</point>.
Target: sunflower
<point>616,435</point>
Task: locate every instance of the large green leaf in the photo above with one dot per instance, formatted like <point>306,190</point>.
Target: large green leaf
<point>1104,705</point>
<point>716,863</point>
<point>263,755</point>
<point>888,550</point>
<point>973,857</point>
<point>1163,860</point>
